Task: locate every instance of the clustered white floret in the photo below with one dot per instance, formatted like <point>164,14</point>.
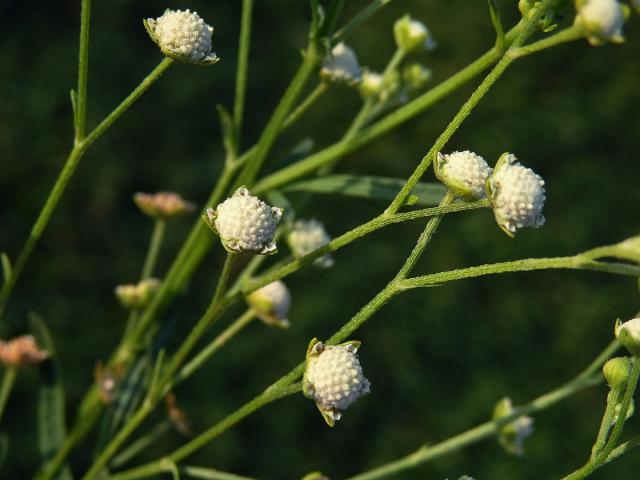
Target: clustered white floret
<point>334,378</point>
<point>341,66</point>
<point>602,20</point>
<point>306,236</point>
<point>517,195</point>
<point>272,303</point>
<point>245,223</point>
<point>464,173</point>
<point>628,333</point>
<point>182,35</point>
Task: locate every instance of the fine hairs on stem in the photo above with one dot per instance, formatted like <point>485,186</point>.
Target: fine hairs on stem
<point>252,212</point>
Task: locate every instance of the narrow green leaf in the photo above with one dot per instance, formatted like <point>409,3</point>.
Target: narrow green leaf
<point>52,428</point>
<point>74,106</point>
<point>155,377</point>
<point>6,267</point>
<point>382,188</point>
<point>228,131</point>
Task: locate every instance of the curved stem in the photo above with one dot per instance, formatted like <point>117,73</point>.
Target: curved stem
<point>301,109</point>
<point>156,467</point>
<point>8,380</point>
<point>68,170</point>
<point>492,428</point>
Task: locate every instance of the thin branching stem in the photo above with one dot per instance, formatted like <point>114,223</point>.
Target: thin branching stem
<point>8,379</point>
<point>243,69</point>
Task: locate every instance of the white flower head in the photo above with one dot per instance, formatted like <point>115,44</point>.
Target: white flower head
<point>412,34</point>
<point>628,333</point>
<point>245,223</point>
<point>512,435</point>
<point>602,20</point>
<point>306,236</point>
<point>464,173</point>
<point>271,303</point>
<point>341,66</point>
<point>183,36</point>
<point>333,378</point>
<point>517,195</point>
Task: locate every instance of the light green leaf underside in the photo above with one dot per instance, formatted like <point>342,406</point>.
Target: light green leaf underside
<point>382,188</point>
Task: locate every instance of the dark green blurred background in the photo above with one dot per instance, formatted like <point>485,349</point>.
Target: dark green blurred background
<point>438,359</point>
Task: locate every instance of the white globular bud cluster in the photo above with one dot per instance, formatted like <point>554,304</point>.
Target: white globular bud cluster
<point>412,34</point>
<point>464,173</point>
<point>306,236</point>
<point>183,36</point>
<point>245,223</point>
<point>517,195</point>
<point>341,66</point>
<point>271,303</point>
<point>512,435</point>
<point>334,378</point>
<point>628,334</point>
<point>602,20</point>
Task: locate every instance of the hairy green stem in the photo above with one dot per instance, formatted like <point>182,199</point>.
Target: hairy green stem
<point>210,474</point>
<point>274,126</point>
<point>159,466</point>
<point>308,102</point>
<point>489,429</point>
<point>176,362</point>
<point>607,421</point>
<point>358,20</point>
<point>570,263</point>
<point>78,151</point>
<point>140,444</point>
<point>80,107</point>
<point>8,379</point>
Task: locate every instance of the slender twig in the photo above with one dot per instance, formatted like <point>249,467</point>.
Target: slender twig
<point>243,68</point>
<point>488,429</point>
<point>154,249</point>
<point>80,110</point>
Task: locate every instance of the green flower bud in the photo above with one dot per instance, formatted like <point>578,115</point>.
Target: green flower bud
<point>136,296</point>
<point>628,334</point>
<point>630,411</point>
<point>411,34</point>
<point>416,76</point>
<point>616,371</point>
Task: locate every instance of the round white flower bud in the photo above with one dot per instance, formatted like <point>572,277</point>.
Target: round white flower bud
<point>517,195</point>
<point>341,66</point>
<point>371,84</point>
<point>183,36</point>
<point>245,223</point>
<point>411,34</point>
<point>602,20</point>
<point>464,173</point>
<point>306,236</point>
<point>271,303</point>
<point>333,378</point>
<point>628,333</point>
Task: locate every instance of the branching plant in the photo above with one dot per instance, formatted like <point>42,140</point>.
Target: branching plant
<point>252,217</point>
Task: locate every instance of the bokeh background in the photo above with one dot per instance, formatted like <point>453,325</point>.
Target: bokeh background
<point>439,358</point>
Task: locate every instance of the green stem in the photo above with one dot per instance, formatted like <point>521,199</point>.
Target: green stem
<point>571,263</point>
<point>358,20</point>
<point>607,421</point>
<point>68,170</point>
<point>210,474</point>
<point>365,112</point>
<point>274,126</point>
<point>158,466</point>
<point>183,351</point>
<point>154,249</point>
<point>491,428</point>
<point>216,344</point>
<point>311,99</point>
<point>567,35</point>
<point>243,68</point>
<point>8,380</point>
<point>464,112</point>
<point>140,444</point>
<point>80,109</point>
<point>623,448</point>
